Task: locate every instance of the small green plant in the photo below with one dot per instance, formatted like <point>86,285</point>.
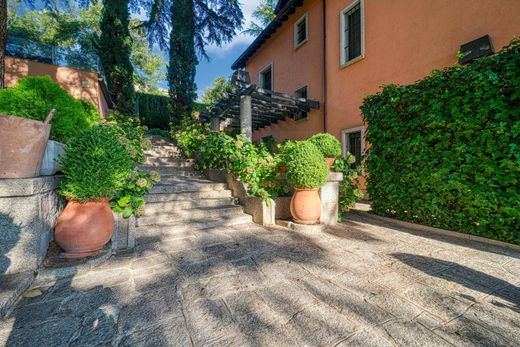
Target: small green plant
<point>349,189</point>
<point>132,132</point>
<point>130,200</point>
<point>158,132</point>
<point>329,146</point>
<point>189,135</point>
<point>306,167</point>
<point>97,164</point>
<point>34,96</point>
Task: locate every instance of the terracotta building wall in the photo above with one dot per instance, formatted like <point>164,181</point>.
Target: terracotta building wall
<point>293,69</point>
<point>80,84</point>
<point>404,41</point>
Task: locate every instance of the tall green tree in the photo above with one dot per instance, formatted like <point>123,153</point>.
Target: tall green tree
<point>194,24</point>
<point>115,47</point>
<point>220,89</point>
<point>3,39</point>
<point>264,13</point>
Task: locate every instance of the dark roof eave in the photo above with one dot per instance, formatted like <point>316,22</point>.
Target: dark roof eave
<point>283,15</point>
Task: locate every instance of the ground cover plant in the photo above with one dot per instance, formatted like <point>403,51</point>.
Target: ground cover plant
<point>445,151</point>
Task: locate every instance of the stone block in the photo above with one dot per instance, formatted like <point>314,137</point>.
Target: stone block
<point>124,233</point>
<point>329,195</point>
<point>28,210</point>
<point>217,175</point>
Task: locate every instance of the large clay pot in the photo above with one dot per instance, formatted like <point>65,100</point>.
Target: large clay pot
<point>306,206</point>
<point>22,144</point>
<point>83,229</point>
<point>330,162</point>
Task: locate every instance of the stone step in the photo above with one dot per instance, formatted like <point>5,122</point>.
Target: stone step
<point>168,162</point>
<point>157,208</point>
<point>156,233</point>
<point>11,287</point>
<point>190,195</point>
<point>170,179</point>
<point>191,215</point>
<point>187,187</point>
<point>171,171</point>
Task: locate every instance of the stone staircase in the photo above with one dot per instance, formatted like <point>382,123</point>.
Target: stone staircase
<point>183,200</point>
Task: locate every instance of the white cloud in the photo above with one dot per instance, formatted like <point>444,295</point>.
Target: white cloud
<point>248,6</point>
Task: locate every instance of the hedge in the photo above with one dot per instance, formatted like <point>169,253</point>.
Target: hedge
<point>446,151</point>
<point>154,111</point>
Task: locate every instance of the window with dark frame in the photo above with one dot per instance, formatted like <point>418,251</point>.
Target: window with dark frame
<point>352,33</point>
<point>301,93</point>
<point>266,78</point>
<point>301,31</point>
<point>354,146</point>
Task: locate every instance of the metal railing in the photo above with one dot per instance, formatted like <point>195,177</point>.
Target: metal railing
<point>72,57</point>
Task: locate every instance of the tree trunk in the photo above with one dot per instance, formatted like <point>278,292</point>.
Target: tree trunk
<point>3,40</point>
<point>183,60</point>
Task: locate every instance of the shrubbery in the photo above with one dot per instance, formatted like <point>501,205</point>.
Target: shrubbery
<point>445,151</point>
<point>96,164</point>
<point>306,167</point>
<point>154,110</point>
<point>33,97</point>
<point>327,144</point>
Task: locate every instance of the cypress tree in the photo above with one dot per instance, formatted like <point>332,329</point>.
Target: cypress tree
<point>115,44</point>
<point>183,59</point>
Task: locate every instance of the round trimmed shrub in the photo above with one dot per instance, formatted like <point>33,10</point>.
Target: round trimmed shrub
<point>97,163</point>
<point>34,96</point>
<point>306,167</point>
<point>329,146</point>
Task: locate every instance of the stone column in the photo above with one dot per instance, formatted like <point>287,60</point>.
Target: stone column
<point>329,194</point>
<point>215,124</point>
<point>246,116</point>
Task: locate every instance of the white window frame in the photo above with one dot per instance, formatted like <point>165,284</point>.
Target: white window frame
<point>343,59</point>
<point>344,139</point>
<point>261,76</point>
<point>295,29</point>
<point>307,117</point>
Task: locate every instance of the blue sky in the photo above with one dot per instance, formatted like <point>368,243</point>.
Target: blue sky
<point>221,58</point>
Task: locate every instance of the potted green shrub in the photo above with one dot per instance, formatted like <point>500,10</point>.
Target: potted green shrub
<point>328,145</point>
<point>97,164</point>
<point>283,149</point>
<point>307,172</point>
<point>27,105</point>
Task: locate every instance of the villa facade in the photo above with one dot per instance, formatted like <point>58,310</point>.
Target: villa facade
<point>337,52</point>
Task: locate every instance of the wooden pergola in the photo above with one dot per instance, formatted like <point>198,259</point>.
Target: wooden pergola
<point>249,107</point>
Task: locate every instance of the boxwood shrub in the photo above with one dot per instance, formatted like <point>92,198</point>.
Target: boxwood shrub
<point>327,144</point>
<point>34,96</point>
<point>97,164</point>
<point>306,167</point>
<point>446,151</point>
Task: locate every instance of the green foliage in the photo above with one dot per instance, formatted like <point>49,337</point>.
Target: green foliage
<point>154,110</point>
<point>265,14</point>
<point>306,167</point>
<point>349,189</point>
<point>329,145</point>
<point>96,164</point>
<point>189,136</point>
<point>132,134</point>
<point>159,132</point>
<point>445,151</point>
<point>130,200</point>
<point>34,96</point>
<point>215,150</point>
<point>270,143</point>
<point>220,89</point>
<point>115,47</point>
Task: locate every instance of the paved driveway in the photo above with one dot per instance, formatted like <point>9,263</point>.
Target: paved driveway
<point>360,283</point>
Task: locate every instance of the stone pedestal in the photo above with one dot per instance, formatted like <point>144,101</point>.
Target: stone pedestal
<point>28,210</point>
<point>124,233</point>
<point>329,195</point>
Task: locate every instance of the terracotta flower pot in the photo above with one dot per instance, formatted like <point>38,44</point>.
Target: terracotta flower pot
<point>83,229</point>
<point>330,162</point>
<point>306,206</point>
<point>282,169</point>
<point>22,144</point>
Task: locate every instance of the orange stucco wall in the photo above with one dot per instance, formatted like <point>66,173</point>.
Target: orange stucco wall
<point>69,79</point>
<point>293,69</point>
<point>404,41</point>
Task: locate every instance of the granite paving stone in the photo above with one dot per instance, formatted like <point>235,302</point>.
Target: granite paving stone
<point>360,283</point>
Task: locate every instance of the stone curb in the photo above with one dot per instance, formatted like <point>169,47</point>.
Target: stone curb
<point>313,228</point>
<point>425,228</point>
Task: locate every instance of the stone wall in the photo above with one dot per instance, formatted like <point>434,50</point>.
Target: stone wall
<point>28,210</point>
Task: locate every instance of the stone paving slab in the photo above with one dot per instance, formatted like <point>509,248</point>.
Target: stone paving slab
<point>361,283</point>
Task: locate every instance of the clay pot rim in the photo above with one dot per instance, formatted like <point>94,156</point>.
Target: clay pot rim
<point>86,202</point>
<point>306,189</point>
